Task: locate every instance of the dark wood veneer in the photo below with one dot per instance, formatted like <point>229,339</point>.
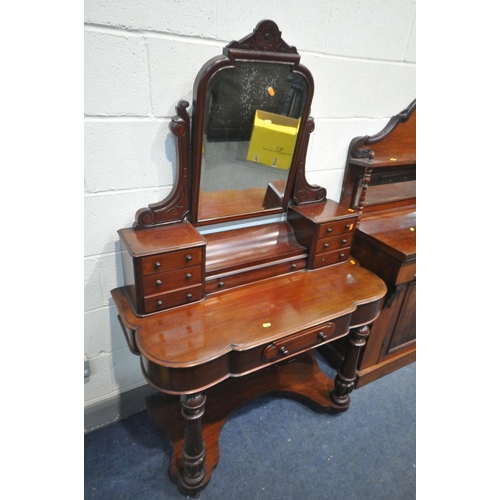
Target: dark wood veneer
<point>385,241</point>
<point>233,314</point>
<point>301,380</point>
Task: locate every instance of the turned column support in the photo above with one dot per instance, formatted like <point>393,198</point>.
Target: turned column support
<point>346,376</point>
<point>193,474</point>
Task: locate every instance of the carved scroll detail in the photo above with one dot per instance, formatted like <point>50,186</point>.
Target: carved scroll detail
<point>357,149</point>
<point>175,207</point>
<point>303,191</point>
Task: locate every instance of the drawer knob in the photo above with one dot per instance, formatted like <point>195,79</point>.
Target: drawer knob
<point>326,245</point>
<point>329,230</point>
<point>322,336</point>
<point>342,255</point>
<point>189,296</point>
<point>293,266</point>
<point>221,284</point>
<point>159,303</point>
<point>157,265</point>
<point>283,351</point>
<point>189,276</point>
<point>188,257</point>
<point>344,241</point>
<point>159,283</point>
<point>347,226</point>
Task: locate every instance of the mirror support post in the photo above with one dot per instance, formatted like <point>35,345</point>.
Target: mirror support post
<point>177,205</point>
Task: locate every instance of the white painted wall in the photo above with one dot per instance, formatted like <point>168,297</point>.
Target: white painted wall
<point>141,58</point>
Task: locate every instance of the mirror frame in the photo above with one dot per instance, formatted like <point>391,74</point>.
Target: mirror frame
<point>264,45</point>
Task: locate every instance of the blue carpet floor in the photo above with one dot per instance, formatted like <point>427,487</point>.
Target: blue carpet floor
<point>275,448</point>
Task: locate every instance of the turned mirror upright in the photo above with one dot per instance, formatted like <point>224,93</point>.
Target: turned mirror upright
<point>228,315</point>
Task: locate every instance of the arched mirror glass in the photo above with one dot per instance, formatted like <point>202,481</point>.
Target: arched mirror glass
<point>252,117</point>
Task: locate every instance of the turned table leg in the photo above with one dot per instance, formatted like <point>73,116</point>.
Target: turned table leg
<point>346,376</point>
<point>193,474</point>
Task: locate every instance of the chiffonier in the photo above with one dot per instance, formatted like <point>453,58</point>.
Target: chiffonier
<point>234,278</point>
<point>385,241</point>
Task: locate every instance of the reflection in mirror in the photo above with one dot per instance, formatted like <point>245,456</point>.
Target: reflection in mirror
<point>252,117</point>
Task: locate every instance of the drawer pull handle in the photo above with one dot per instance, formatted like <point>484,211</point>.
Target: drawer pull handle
<point>157,265</point>
<point>159,283</point>
<point>293,266</point>
<point>344,241</point>
<point>326,245</point>
<point>188,257</point>
<point>189,276</point>
<point>283,351</point>
<point>322,336</point>
<point>341,255</point>
<point>329,230</point>
<point>159,303</point>
<point>189,296</point>
<point>347,226</point>
<point>221,284</point>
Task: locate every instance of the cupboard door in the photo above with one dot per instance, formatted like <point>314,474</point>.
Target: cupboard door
<point>405,331</point>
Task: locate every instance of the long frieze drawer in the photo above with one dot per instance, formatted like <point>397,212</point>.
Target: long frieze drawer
<point>242,362</point>
<point>298,342</point>
<point>247,276</point>
<point>171,261</point>
<point>165,282</point>
<point>325,259</point>
<point>334,243</point>
<point>337,227</point>
<point>176,298</point>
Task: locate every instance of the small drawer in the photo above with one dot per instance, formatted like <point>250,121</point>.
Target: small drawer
<point>334,243</point>
<point>162,301</point>
<point>298,342</point>
<point>325,259</point>
<point>236,279</point>
<point>338,227</point>
<point>171,261</point>
<point>165,282</point>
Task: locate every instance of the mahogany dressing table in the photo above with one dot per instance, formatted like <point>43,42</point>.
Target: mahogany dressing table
<point>385,241</point>
<point>220,316</point>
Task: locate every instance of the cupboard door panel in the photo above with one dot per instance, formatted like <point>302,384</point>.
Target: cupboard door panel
<point>406,330</point>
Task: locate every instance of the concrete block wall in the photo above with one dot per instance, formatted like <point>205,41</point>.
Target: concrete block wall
<point>141,58</point>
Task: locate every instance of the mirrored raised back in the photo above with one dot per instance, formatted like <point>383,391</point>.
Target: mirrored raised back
<point>243,153</point>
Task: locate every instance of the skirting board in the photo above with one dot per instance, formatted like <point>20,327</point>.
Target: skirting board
<point>115,408</point>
